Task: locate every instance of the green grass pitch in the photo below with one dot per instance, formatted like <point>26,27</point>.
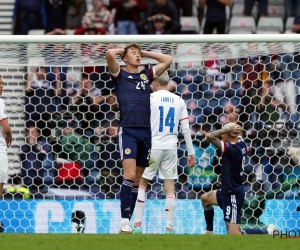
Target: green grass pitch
<point>143,242</point>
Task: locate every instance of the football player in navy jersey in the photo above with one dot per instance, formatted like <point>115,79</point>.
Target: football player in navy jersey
<point>230,197</point>
<point>132,88</point>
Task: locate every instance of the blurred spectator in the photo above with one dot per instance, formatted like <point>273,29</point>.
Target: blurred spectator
<point>202,177</point>
<point>32,156</point>
<point>268,108</point>
<point>296,29</point>
<point>216,89</point>
<point>28,15</point>
<point>172,86</point>
<point>109,163</point>
<point>167,10</point>
<point>109,111</point>
<point>86,89</point>
<point>127,15</point>
<point>292,8</point>
<point>280,70</point>
<point>262,7</point>
<point>218,73</point>
<point>200,11</point>
<point>89,31</point>
<point>85,106</point>
<point>99,17</point>
<point>72,159</point>
<point>296,24</point>
<point>56,55</point>
<point>90,54</point>
<point>253,76</point>
<point>215,15</point>
<point>76,10</point>
<point>56,31</point>
<point>184,7</point>
<point>39,100</point>
<point>157,26</point>
<point>56,14</point>
<point>231,114</point>
<point>17,190</point>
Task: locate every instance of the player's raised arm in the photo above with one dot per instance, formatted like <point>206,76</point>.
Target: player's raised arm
<point>164,61</point>
<point>213,137</point>
<point>112,62</point>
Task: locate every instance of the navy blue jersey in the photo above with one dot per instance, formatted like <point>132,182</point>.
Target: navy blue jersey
<point>233,162</point>
<point>133,94</point>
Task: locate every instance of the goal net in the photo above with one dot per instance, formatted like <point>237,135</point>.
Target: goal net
<point>64,117</point>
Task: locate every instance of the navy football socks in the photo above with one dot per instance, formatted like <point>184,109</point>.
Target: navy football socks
<point>209,217</point>
<point>125,198</point>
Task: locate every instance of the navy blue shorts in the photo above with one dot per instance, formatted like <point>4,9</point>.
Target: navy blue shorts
<point>231,205</point>
<point>135,143</point>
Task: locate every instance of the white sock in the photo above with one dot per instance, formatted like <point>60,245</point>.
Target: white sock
<point>139,206</point>
<point>170,210</point>
<point>124,220</point>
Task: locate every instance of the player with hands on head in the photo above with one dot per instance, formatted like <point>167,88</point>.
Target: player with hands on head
<point>230,197</point>
<point>132,88</point>
<point>167,111</point>
<point>5,141</point>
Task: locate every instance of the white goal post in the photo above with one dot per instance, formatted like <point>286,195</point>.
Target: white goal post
<point>250,79</point>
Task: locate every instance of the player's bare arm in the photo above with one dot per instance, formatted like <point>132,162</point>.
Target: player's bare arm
<point>7,132</point>
<point>214,136</point>
<point>112,62</point>
<point>214,140</point>
<point>234,128</point>
<point>164,61</point>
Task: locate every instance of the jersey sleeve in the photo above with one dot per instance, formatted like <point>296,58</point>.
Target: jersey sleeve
<point>115,75</point>
<point>152,74</point>
<point>229,148</point>
<point>185,127</point>
<point>183,113</point>
<point>3,114</point>
<point>226,147</point>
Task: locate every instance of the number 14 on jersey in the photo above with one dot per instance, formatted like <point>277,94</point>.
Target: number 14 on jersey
<point>167,121</point>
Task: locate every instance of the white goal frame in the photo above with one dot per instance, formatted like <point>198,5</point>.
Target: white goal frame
<point>38,211</point>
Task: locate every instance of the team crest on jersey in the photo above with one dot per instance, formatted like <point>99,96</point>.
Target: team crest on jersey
<point>143,77</point>
<point>127,151</point>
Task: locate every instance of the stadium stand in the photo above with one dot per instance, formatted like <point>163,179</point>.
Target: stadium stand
<point>271,24</point>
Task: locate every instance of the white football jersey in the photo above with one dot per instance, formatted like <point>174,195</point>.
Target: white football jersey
<point>167,110</point>
<point>3,116</point>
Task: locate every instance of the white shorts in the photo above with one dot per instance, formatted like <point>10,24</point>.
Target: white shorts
<point>3,167</point>
<point>165,161</point>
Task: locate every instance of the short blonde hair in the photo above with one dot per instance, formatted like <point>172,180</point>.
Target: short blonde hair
<point>229,124</point>
<point>163,79</point>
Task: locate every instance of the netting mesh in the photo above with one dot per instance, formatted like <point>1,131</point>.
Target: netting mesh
<point>64,117</point>
<point>75,54</point>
